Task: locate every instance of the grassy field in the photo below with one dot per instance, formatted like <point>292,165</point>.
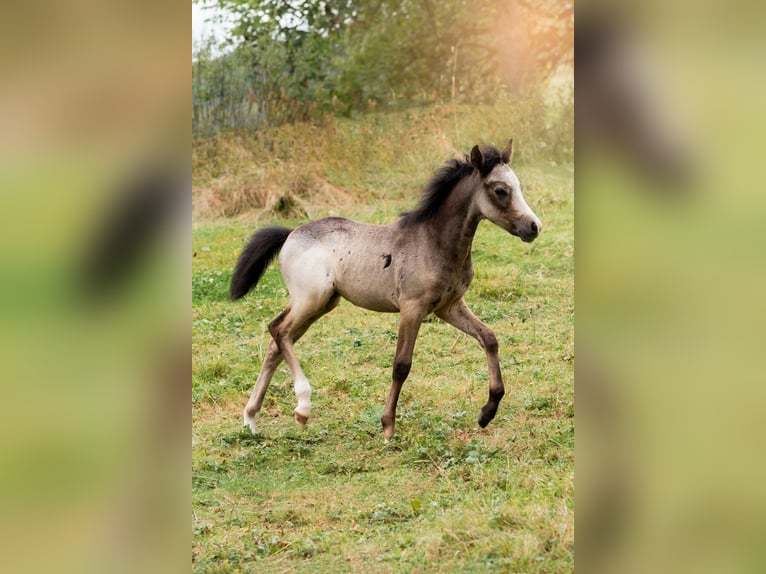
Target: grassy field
<point>444,495</point>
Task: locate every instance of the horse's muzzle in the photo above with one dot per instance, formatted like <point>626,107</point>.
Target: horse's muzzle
<point>530,230</point>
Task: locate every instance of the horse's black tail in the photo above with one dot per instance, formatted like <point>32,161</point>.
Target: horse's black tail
<point>255,257</point>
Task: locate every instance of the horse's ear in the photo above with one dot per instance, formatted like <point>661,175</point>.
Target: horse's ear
<point>508,152</point>
<point>476,158</point>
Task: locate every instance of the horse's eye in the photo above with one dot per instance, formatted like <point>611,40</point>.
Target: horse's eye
<point>501,193</point>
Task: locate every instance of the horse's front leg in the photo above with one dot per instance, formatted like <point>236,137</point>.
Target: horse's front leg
<point>409,325</point>
<point>460,316</point>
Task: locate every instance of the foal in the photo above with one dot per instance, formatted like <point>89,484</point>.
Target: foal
<point>418,265</point>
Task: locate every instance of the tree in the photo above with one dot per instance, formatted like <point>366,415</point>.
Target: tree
<point>342,55</point>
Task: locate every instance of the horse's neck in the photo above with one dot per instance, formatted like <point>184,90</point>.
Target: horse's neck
<point>457,220</point>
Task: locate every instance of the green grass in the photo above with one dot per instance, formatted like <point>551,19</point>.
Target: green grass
<point>444,495</point>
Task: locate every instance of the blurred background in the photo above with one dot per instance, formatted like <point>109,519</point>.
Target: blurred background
<point>669,385</point>
<point>94,298</point>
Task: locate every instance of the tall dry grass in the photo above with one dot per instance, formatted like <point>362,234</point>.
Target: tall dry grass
<point>295,169</point>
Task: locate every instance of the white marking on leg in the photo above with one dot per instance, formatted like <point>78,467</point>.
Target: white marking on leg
<point>248,420</point>
<point>303,393</point>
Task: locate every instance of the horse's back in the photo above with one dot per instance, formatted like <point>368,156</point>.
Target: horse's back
<point>338,255</point>
<point>330,233</point>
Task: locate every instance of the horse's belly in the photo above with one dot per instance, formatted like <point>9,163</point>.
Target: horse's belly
<point>367,286</point>
<point>365,301</point>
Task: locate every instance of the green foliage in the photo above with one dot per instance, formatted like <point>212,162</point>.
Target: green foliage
<point>295,60</point>
<point>549,26</point>
<point>226,90</point>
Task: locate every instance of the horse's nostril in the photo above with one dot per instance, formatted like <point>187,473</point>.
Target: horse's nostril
<point>533,227</point>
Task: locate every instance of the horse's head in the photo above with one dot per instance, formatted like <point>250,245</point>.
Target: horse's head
<point>499,198</point>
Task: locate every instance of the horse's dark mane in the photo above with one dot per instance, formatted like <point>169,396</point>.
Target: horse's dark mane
<point>444,181</point>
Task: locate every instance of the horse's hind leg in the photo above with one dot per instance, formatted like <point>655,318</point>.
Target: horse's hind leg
<point>460,316</point>
<point>273,359</point>
<point>270,364</point>
<point>286,329</point>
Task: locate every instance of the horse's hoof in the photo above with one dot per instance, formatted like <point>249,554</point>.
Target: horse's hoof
<point>300,419</point>
<point>249,421</point>
<point>486,414</point>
